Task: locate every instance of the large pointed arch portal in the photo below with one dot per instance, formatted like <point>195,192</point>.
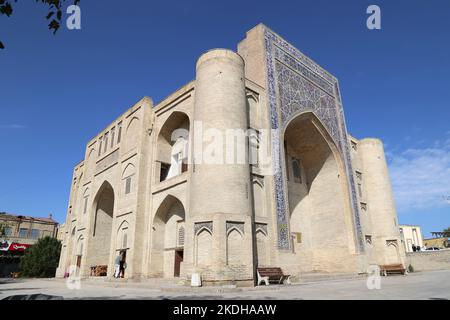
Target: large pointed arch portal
<point>296,84</point>
<point>99,244</point>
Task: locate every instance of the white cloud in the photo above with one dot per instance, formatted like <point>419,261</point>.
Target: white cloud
<point>421,177</point>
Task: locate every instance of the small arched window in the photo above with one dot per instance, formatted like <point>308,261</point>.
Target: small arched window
<point>85,200</point>
<point>127,176</point>
<point>100,142</point>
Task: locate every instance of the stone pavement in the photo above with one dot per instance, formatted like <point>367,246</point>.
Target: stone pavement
<point>433,285</point>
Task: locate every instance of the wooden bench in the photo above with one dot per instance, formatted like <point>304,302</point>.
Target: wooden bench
<point>391,269</point>
<point>274,274</point>
<point>99,271</point>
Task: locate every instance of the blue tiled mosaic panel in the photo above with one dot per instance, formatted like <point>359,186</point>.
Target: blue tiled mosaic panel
<point>303,86</point>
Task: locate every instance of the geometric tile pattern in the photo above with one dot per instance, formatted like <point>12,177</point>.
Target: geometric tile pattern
<point>297,84</point>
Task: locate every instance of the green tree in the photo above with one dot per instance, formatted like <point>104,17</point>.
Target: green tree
<point>447,232</point>
<point>54,14</point>
<point>41,259</point>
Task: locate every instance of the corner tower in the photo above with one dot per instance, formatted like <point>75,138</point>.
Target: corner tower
<point>220,206</point>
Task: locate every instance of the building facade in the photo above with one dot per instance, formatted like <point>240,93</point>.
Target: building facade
<point>17,234</point>
<point>26,229</point>
<point>162,183</point>
<point>411,237</point>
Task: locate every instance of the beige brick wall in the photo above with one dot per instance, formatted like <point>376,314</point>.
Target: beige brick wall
<point>429,260</point>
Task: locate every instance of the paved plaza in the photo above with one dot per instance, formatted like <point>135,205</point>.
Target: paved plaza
<point>421,285</point>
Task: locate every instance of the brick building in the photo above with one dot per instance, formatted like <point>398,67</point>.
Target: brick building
<point>305,196</point>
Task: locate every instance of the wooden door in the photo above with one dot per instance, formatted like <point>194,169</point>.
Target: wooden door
<point>178,260</point>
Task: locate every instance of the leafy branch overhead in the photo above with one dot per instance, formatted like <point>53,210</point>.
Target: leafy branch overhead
<point>54,14</point>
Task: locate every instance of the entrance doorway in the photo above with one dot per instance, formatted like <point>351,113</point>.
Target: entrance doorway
<point>78,261</point>
<point>123,263</point>
<point>78,269</point>
<point>178,260</point>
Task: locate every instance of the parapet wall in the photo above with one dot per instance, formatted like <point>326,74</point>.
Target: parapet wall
<point>429,260</point>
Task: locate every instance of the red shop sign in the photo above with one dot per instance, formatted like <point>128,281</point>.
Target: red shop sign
<point>18,246</point>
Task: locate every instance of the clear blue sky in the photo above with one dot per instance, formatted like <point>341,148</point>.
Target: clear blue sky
<point>57,92</point>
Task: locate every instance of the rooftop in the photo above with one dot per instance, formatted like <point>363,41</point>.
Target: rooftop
<point>11,216</point>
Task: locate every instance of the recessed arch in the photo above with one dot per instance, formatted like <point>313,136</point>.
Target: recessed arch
<point>259,204</point>
<point>129,170</point>
<point>132,133</point>
<point>234,229</point>
<point>317,188</point>
<point>253,109</point>
<point>101,225</point>
<point>204,228</point>
<point>123,236</point>
<point>262,258</point>
<point>133,121</point>
<point>392,253</point>
<point>173,145</point>
<point>235,247</point>
<point>203,247</point>
<point>80,246</point>
<point>166,223</point>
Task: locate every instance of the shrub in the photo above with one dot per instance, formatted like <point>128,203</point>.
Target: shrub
<point>41,259</point>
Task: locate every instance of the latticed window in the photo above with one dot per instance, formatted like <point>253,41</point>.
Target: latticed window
<point>128,185</point>
<point>181,236</point>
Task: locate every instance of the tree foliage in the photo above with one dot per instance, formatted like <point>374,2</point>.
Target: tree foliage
<point>53,16</point>
<point>41,259</point>
<point>447,232</point>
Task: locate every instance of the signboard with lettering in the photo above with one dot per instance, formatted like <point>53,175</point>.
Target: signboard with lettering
<point>18,247</point>
<point>6,245</point>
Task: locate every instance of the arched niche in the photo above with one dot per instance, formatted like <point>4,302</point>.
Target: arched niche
<point>235,247</point>
<point>173,146</point>
<point>316,184</point>
<point>99,245</point>
<point>203,248</point>
<point>167,221</point>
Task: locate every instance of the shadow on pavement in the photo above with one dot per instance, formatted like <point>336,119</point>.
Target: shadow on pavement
<point>33,297</point>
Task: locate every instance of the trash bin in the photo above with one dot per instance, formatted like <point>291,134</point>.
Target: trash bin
<point>196,280</point>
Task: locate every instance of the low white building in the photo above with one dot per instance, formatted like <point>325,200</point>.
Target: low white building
<point>411,236</point>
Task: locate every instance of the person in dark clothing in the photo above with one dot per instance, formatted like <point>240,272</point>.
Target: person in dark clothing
<point>123,264</point>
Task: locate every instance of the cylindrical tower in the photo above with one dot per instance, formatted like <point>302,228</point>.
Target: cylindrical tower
<point>380,202</point>
<point>218,186</point>
<point>220,180</point>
